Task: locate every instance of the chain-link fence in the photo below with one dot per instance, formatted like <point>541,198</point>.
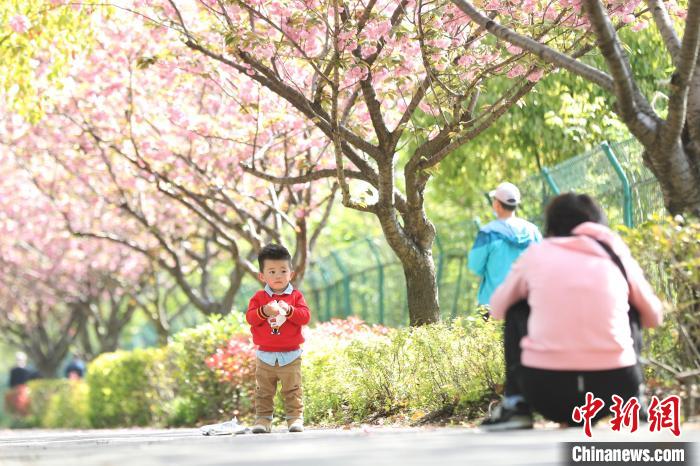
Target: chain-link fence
<point>365,279</point>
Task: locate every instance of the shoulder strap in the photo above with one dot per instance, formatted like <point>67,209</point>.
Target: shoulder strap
<point>635,321</point>
<point>615,258</point>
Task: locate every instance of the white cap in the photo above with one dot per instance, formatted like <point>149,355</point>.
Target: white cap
<point>507,193</point>
<point>20,358</point>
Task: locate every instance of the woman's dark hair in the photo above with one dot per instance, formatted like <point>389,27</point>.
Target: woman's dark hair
<point>566,211</point>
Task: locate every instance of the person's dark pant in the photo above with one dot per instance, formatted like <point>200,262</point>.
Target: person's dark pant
<point>554,394</point>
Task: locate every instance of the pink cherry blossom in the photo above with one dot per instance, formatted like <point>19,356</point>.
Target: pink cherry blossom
<point>536,75</point>
<point>517,70</point>
<point>20,24</point>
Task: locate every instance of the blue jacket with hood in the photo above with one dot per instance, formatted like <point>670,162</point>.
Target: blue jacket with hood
<point>497,246</point>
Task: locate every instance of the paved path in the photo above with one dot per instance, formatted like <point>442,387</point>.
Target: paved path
<point>362,446</point>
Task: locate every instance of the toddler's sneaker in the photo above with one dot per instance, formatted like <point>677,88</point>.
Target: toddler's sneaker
<point>231,427</point>
<point>262,426</point>
<point>295,425</point>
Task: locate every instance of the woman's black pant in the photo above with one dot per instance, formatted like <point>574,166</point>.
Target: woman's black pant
<point>554,394</point>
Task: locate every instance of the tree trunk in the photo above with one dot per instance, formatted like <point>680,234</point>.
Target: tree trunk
<point>225,306</point>
<point>110,341</point>
<point>48,348</point>
<point>301,251</point>
<point>47,362</point>
<point>678,175</point>
<point>421,289</point>
<point>162,331</point>
<point>414,250</point>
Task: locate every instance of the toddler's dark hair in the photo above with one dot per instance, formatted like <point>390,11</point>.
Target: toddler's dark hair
<point>273,252</point>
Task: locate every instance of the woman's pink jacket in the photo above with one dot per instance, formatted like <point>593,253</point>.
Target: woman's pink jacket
<point>578,301</point>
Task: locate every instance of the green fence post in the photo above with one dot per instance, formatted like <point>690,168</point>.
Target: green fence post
<point>346,283</point>
<point>550,181</point>
<point>626,189</point>
<point>441,254</point>
<point>458,290</point>
<point>380,272</point>
<point>328,288</point>
<point>315,292</point>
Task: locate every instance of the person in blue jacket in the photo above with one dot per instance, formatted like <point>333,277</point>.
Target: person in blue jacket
<point>501,241</point>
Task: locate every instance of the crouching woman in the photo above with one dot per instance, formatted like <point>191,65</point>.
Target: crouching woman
<point>573,306</point>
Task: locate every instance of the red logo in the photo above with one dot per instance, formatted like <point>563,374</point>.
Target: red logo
<point>627,415</point>
<point>587,412</point>
<point>665,414</point>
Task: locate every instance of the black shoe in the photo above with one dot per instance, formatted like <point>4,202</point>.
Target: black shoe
<point>502,418</point>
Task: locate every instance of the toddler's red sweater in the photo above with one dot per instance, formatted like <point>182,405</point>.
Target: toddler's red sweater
<point>290,336</point>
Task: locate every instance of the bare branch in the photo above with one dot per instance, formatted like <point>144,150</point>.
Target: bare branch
<point>680,81</point>
<point>630,100</point>
<point>311,176</point>
<point>324,218</point>
<point>408,113</point>
<point>493,115</point>
<point>665,25</point>
<point>374,108</point>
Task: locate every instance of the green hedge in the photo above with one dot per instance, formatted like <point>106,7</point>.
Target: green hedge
<point>414,374</point>
<point>668,249</point>
<point>130,388</point>
<point>165,386</point>
<point>352,373</point>
<point>201,396</point>
<point>58,403</point>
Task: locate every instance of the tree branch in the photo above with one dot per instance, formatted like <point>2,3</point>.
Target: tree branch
<point>307,178</point>
<point>546,53</point>
<point>680,81</point>
<point>665,25</point>
<point>324,218</point>
<point>630,100</point>
<point>408,113</point>
<point>374,108</point>
<point>493,116</point>
<point>267,78</point>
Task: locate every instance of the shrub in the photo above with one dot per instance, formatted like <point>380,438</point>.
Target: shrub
<point>68,408</point>
<point>668,249</point>
<point>352,372</point>
<point>58,403</point>
<point>418,373</point>
<point>201,395</point>
<point>325,366</point>
<point>130,388</point>
<point>234,365</point>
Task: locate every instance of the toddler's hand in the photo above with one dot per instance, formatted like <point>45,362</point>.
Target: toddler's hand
<point>284,306</point>
<point>271,310</point>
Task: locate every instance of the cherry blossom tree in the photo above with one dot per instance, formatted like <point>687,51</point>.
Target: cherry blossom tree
<point>37,39</point>
<point>54,288</point>
<point>143,149</point>
<point>671,134</point>
<point>395,86</point>
<point>161,303</point>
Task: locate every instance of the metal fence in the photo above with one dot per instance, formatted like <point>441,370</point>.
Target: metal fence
<point>365,278</point>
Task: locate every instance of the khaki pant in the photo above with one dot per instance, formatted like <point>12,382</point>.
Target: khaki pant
<point>266,377</point>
